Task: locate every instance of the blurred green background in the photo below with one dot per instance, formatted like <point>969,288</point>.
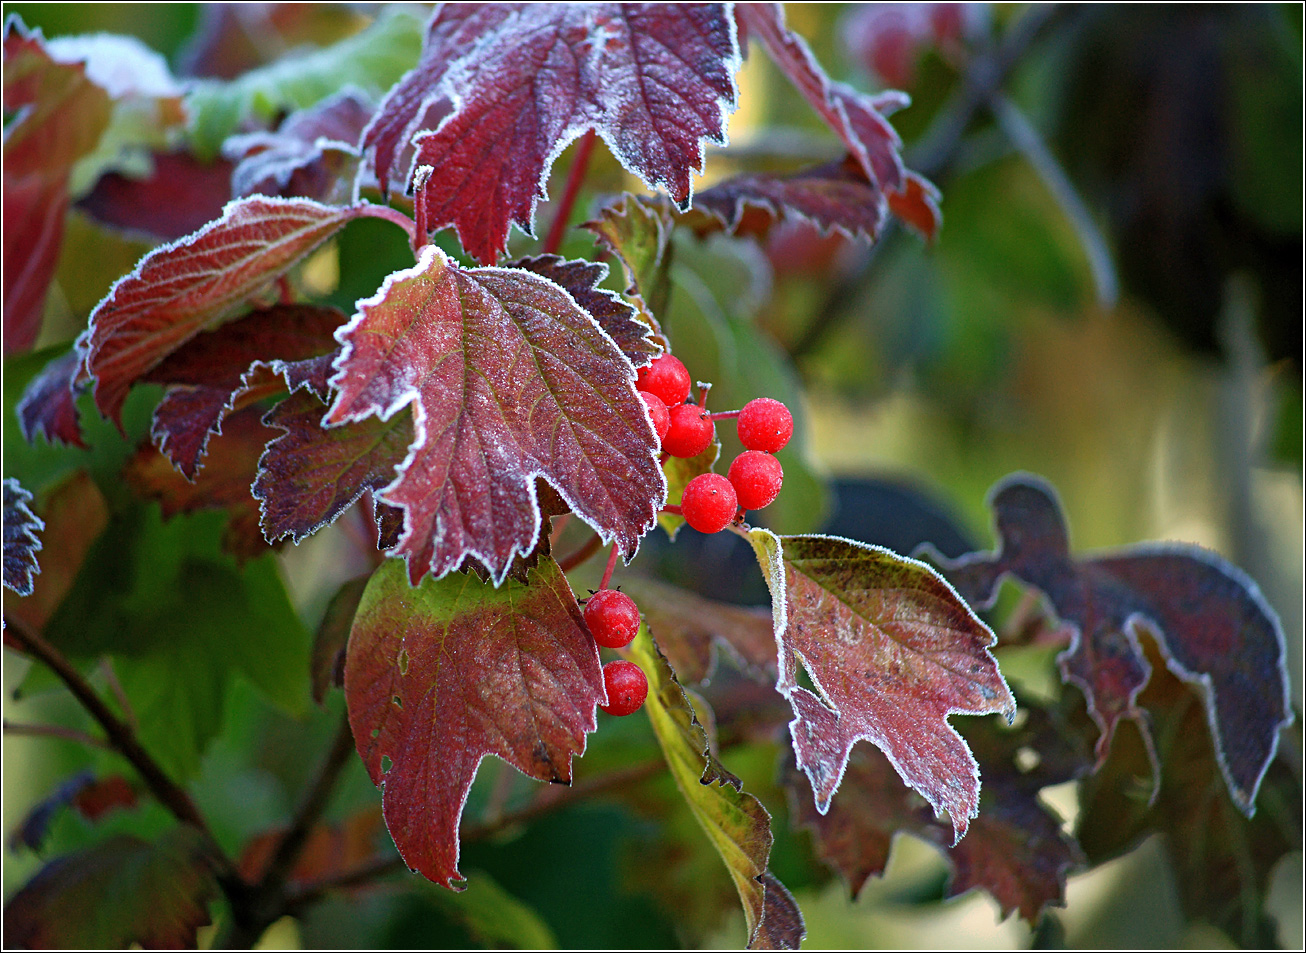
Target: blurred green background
<point>1114,302</point>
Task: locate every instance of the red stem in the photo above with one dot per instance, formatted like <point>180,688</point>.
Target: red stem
<point>724,415</point>
<point>672,509</point>
<point>568,563</point>
<point>574,179</point>
<point>612,564</point>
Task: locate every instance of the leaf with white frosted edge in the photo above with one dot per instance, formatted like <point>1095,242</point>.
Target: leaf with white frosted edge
<point>1214,627</point>
<point>509,380</point>
<point>177,289</point>
<point>439,676</point>
<point>523,81</point>
<point>893,652</point>
<point>21,540</point>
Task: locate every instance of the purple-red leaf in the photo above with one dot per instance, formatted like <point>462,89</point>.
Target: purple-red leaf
<point>1222,861</point>
<point>178,289</point>
<point>1214,627</point>
<point>179,196</point>
<point>90,797</point>
<point>831,196</point>
<point>888,38</point>
<point>49,404</point>
<point>21,540</point>
<point>855,118</point>
<point>312,473</point>
<point>581,279</point>
<point>524,80</point>
<point>310,153</point>
<point>439,676</point>
<point>509,380</point>
<point>893,652</point>
<point>233,365</point>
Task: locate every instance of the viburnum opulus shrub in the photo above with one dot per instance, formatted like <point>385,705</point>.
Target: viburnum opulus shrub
<point>463,414</point>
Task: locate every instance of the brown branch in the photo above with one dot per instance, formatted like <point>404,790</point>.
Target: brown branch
<point>568,563</point>
<point>576,176</point>
<point>118,733</point>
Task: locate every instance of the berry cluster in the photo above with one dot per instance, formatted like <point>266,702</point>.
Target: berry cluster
<point>613,620</point>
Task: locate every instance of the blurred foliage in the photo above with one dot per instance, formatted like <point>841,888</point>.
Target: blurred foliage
<point>928,372</point>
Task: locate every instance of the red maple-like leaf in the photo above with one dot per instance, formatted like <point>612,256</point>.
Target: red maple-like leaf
<point>858,120</point>
<point>1211,621</point>
<point>231,366</point>
<point>439,676</point>
<point>509,379</point>
<point>893,654</point>
<point>310,474</point>
<point>522,81</point>
<point>177,289</point>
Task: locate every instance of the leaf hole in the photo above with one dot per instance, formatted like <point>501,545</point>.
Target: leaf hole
<point>1027,759</point>
<point>386,764</point>
<point>397,701</point>
<point>376,732</point>
<point>402,661</point>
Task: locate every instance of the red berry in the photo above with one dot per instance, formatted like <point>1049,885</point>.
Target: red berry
<point>756,477</point>
<point>667,378</point>
<point>626,685</point>
<point>657,411</point>
<point>765,424</point>
<point>691,431</point>
<point>612,617</point>
<point>709,503</point>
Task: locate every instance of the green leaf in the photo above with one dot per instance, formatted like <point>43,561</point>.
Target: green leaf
<point>372,60</point>
<point>118,893</point>
<point>493,916</point>
<point>736,823</point>
<point>638,234</point>
<point>180,620</point>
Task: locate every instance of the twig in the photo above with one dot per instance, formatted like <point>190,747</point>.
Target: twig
<point>575,177</point>
<point>591,546</point>
<point>550,800</point>
<point>1026,138</point>
<point>55,731</point>
<point>607,571</point>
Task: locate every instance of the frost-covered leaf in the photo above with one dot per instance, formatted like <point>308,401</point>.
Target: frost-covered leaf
<point>178,195</point>
<point>178,289</point>
<point>917,204</point>
<point>1215,628</point>
<point>75,513</point>
<point>57,115</point>
<point>509,380</point>
<point>691,627</point>
<point>223,484</point>
<point>888,38</point>
<point>1222,860</point>
<point>441,675</point>
<point>737,824</point>
<point>219,370</point>
<point>21,540</point>
<point>49,404</point>
<point>371,60</point>
<point>855,118</point>
<point>525,80</point>
<point>1015,850</point>
<point>834,196</point>
<point>581,280</point>
<point>312,473</point>
<point>117,893</point>
<point>893,652</point>
<point>311,154</point>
